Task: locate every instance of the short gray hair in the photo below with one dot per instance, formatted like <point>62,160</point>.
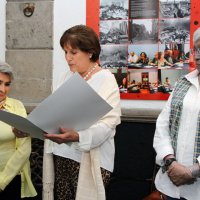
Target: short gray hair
<point>5,68</point>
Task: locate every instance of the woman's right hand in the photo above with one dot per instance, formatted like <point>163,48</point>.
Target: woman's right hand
<point>180,174</point>
<point>65,136</point>
<point>20,134</point>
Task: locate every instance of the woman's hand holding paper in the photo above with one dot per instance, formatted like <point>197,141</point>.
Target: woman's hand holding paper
<point>65,136</point>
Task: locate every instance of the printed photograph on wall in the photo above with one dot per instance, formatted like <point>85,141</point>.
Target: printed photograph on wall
<point>142,56</point>
<point>114,32</point>
<point>176,54</point>
<point>143,31</point>
<point>113,56</point>
<point>145,44</point>
<point>121,78</point>
<point>115,9</point>
<point>144,9</point>
<point>143,81</point>
<point>174,9</point>
<point>168,78</point>
<point>174,30</point>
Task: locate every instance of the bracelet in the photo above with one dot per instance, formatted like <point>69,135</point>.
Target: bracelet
<point>195,170</point>
<point>167,163</point>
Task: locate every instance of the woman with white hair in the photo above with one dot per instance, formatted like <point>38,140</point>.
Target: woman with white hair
<point>15,180</point>
<point>177,137</point>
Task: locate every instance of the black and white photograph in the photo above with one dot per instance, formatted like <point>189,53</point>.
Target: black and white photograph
<point>113,56</point>
<point>114,32</point>
<point>144,9</point>
<point>174,30</point>
<point>174,8</point>
<point>113,9</point>
<point>143,31</point>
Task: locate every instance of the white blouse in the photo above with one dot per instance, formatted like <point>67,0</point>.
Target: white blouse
<point>101,134</point>
<point>185,141</point>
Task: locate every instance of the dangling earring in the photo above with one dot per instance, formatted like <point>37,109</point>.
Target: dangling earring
<point>90,56</point>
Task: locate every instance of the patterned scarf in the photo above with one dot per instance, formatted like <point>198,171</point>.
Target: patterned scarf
<point>179,93</point>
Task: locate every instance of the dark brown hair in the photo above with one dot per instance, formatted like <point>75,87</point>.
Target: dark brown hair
<point>84,38</point>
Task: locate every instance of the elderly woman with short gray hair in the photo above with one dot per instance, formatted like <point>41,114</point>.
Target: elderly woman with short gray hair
<point>15,179</point>
<point>177,137</point>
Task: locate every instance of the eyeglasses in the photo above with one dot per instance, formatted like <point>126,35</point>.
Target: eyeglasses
<point>6,84</point>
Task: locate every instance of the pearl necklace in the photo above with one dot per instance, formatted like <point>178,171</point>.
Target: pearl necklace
<point>89,73</point>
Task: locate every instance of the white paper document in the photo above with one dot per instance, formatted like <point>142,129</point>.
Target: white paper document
<point>21,123</point>
<point>74,105</point>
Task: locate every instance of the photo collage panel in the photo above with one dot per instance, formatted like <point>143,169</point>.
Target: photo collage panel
<point>145,44</point>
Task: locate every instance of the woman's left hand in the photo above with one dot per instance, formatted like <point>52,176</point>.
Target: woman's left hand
<point>65,136</point>
<point>19,133</point>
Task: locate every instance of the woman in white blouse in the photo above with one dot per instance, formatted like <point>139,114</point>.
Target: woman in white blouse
<point>88,153</point>
<point>177,137</point>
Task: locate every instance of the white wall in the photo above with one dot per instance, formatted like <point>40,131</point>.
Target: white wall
<point>2,29</point>
<point>66,14</point>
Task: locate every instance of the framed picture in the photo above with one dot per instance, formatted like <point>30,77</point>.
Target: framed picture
<point>146,44</point>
